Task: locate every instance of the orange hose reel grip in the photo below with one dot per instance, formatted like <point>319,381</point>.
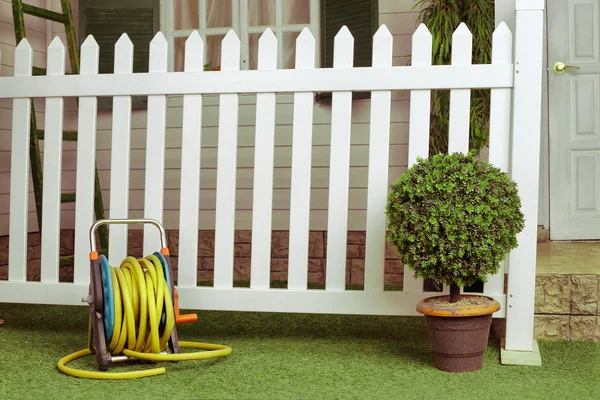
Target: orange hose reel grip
<point>185,318</point>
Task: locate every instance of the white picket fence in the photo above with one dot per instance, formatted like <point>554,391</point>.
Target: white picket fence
<point>522,80</point>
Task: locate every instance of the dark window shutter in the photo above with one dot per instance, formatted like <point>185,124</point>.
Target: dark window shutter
<point>362,19</point>
<point>107,20</point>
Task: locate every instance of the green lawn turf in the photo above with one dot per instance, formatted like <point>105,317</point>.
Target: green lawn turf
<point>279,356</point>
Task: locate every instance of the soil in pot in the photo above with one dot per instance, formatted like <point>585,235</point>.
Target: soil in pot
<point>459,331</point>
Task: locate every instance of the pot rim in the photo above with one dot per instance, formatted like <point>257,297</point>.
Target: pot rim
<point>458,311</point>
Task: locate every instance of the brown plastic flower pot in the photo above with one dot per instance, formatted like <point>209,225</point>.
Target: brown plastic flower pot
<point>459,332</point>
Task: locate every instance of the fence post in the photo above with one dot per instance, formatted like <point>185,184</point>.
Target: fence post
<point>525,168</point>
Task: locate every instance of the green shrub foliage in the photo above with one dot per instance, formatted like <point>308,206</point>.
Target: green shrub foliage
<point>453,218</point>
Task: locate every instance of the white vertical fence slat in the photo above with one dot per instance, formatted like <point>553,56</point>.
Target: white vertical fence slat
<point>226,168</point>
<point>53,131</point>
<point>86,162</point>
<point>301,170</point>
<point>155,148</point>
<point>499,130</point>
<point>19,171</point>
<point>460,99</point>
<point>190,168</point>
<point>420,100</point>
<point>339,169</point>
<point>120,155</point>
<point>418,142</point>
<point>264,147</point>
<point>525,169</point>
<point>379,148</point>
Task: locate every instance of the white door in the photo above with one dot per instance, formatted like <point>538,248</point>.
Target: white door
<point>574,119</point>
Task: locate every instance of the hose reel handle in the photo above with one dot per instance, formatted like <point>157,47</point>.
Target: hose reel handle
<point>163,234</point>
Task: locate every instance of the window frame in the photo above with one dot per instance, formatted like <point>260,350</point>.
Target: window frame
<point>242,30</point>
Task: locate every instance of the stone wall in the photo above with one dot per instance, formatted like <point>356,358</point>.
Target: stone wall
<point>34,250</point>
<point>355,265</point>
<point>567,307</point>
<point>317,249</point>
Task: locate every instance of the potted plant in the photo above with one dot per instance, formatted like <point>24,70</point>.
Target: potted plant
<point>453,219</point>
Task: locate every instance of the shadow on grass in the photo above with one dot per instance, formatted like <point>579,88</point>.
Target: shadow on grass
<point>402,337</point>
<point>35,317</point>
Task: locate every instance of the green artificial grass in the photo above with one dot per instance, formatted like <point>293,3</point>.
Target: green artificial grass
<point>278,356</point>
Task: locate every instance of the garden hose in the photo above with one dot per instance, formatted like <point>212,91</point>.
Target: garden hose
<point>139,318</point>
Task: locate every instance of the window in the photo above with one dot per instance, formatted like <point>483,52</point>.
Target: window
<point>248,18</point>
<point>106,20</point>
<point>140,19</point>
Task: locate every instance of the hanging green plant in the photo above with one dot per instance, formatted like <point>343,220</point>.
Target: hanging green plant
<point>442,17</point>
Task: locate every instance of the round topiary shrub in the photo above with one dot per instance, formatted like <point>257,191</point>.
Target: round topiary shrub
<point>453,218</point>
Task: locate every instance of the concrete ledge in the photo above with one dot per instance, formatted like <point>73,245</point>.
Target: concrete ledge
<point>532,358</point>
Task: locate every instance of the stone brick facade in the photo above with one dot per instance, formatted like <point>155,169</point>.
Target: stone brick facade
<point>34,250</point>
<point>566,306</point>
<point>317,248</point>
<point>355,265</point>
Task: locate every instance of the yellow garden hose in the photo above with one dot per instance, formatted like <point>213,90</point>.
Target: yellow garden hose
<point>140,293</point>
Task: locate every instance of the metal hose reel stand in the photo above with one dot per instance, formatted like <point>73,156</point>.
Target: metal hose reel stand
<point>133,313</point>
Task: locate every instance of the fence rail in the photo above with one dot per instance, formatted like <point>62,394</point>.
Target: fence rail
<point>380,79</point>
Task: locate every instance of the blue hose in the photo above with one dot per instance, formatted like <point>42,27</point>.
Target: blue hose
<point>109,304</point>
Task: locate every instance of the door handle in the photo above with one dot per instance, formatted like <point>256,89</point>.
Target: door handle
<point>560,67</point>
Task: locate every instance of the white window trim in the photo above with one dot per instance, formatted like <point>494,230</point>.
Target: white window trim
<point>241,28</point>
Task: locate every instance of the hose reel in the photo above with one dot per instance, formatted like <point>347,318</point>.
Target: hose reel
<point>133,313</point>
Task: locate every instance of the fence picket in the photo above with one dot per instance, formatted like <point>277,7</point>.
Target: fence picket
<point>379,142</point>
<point>341,116</point>
<point>418,143</point>
<point>120,155</point>
<point>500,130</point>
<point>51,190</point>
<point>301,170</point>
<point>500,102</point>
<point>19,171</point>
<point>190,168</point>
<point>226,168</point>
<point>419,121</point>
<point>260,264</point>
<point>86,162</point>
<point>460,99</point>
<point>155,147</point>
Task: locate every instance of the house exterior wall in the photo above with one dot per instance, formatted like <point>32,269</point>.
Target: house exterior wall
<point>397,15</point>
<point>399,18</point>
<point>36,34</point>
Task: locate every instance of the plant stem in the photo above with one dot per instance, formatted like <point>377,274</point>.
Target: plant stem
<point>454,293</point>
